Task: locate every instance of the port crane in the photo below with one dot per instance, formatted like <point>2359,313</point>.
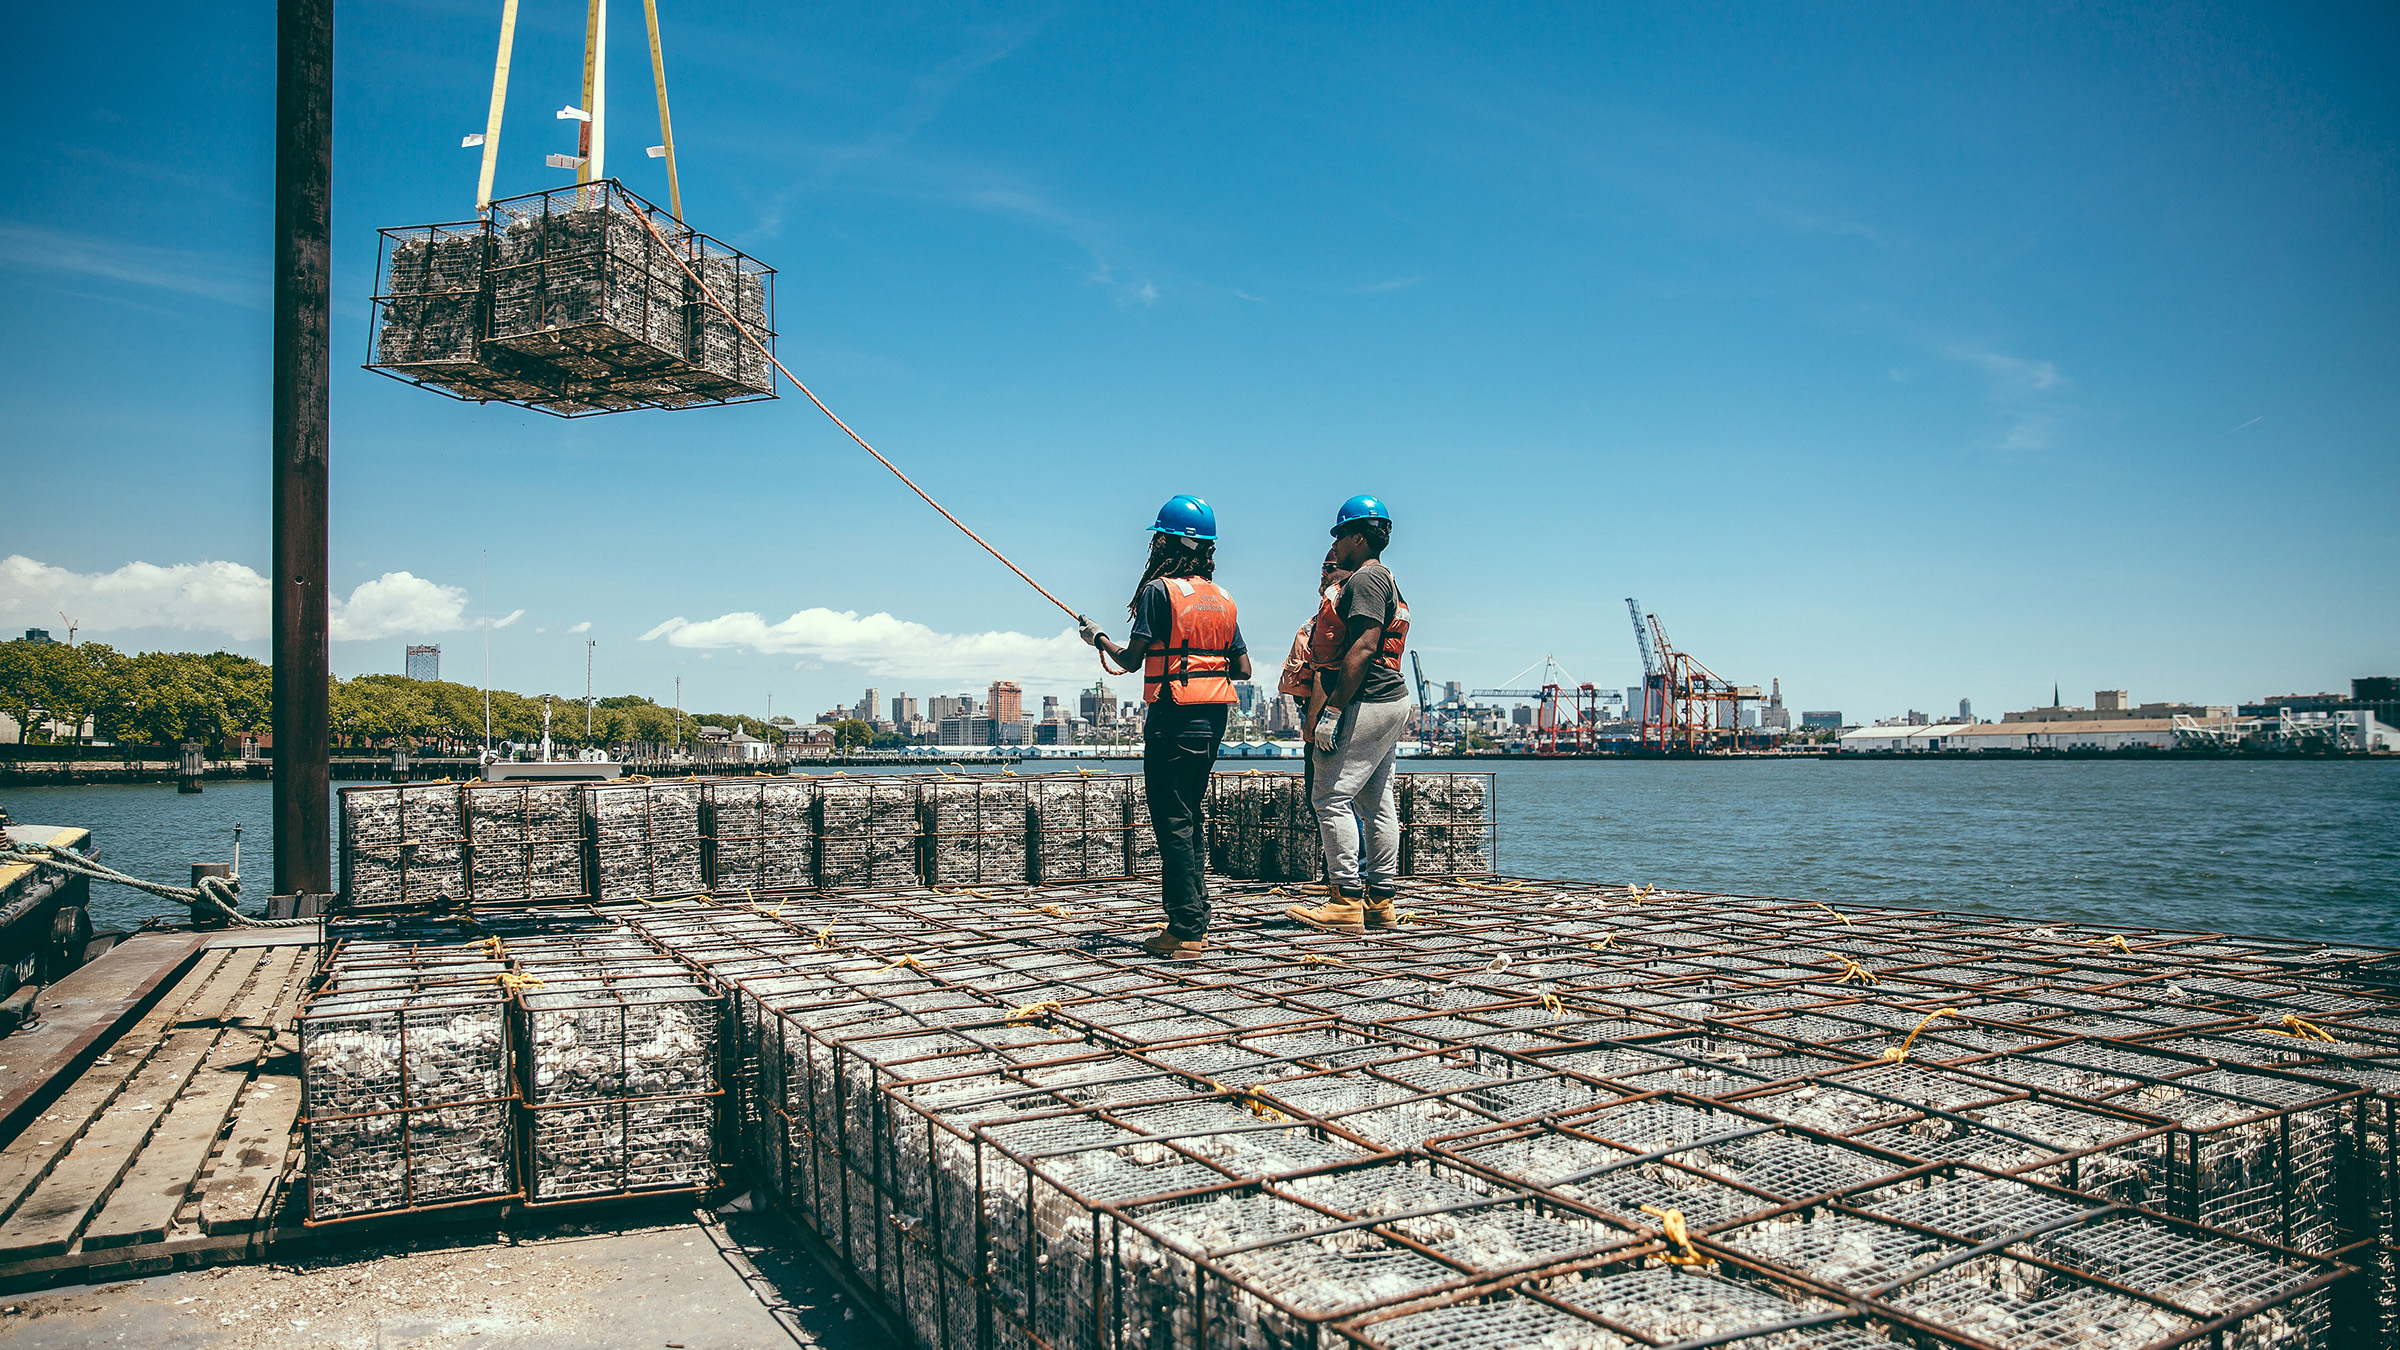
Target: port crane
<point>1685,705</point>
<point>1445,717</point>
<point>1566,718</point>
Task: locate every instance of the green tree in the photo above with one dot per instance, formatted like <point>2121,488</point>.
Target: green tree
<point>852,734</point>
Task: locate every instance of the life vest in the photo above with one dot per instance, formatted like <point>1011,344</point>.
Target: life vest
<point>1316,647</point>
<point>1395,633</point>
<point>1197,658</point>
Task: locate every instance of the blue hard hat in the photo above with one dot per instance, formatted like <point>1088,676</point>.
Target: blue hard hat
<point>1360,507</point>
<point>1188,516</point>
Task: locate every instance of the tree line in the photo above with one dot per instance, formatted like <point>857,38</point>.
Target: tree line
<point>165,698</point>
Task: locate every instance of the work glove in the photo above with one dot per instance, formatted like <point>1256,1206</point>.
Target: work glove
<point>1088,631</point>
<point>1329,730</point>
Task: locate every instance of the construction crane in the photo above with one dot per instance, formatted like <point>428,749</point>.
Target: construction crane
<point>1686,706</point>
<point>1566,717</point>
<point>1445,717</point>
<point>71,626</point>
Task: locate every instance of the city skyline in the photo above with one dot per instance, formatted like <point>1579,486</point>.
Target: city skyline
<point>1902,356</point>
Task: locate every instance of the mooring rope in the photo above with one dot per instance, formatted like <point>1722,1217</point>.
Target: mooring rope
<point>220,892</point>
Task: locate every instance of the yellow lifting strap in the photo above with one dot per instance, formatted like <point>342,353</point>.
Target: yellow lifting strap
<point>1852,970</point>
<point>666,125</point>
<point>1899,1054</point>
<point>1838,914</point>
<point>1032,1011</point>
<point>491,125</point>
<point>1679,1233</point>
<point>2299,1028</point>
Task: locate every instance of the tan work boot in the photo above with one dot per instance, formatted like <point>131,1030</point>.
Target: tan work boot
<point>1381,909</point>
<point>1346,912</point>
<point>1166,944</point>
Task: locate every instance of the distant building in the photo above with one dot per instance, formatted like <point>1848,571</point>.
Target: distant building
<point>2107,705</point>
<point>1100,705</point>
<point>1774,716</point>
<point>1821,721</point>
<point>38,635</point>
<point>1054,731</point>
<point>870,708</point>
<point>904,710</point>
<point>1966,710</point>
<point>1007,702</point>
<point>1245,696</point>
<point>2119,733</point>
<point>965,731</point>
<point>1521,715</point>
<point>816,740</point>
<point>1050,709</point>
<point>943,707</point>
<point>424,662</point>
<point>2377,694</point>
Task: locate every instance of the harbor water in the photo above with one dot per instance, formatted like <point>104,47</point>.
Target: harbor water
<point>2300,848</point>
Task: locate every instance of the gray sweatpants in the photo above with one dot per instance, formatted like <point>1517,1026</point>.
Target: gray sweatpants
<point>1354,793</point>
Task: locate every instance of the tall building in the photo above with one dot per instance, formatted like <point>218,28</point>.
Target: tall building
<point>1245,696</point>
<point>1966,710</point>
<point>1821,721</point>
<point>2108,700</point>
<point>1008,702</point>
<point>904,709</point>
<point>870,708</point>
<point>1774,716</point>
<point>425,663</point>
<point>1100,705</point>
<point>943,707</point>
<point>1050,711</point>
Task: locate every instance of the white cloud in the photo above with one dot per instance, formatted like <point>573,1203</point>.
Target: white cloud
<point>882,645</point>
<point>396,604</point>
<point>487,622</point>
<point>584,627</point>
<point>212,276</point>
<point>225,598</point>
<point>216,597</point>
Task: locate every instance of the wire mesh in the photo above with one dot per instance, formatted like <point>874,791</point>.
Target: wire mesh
<point>645,839</point>
<point>867,832</point>
<point>524,842</point>
<point>403,845</point>
<point>976,830</point>
<point>759,834</point>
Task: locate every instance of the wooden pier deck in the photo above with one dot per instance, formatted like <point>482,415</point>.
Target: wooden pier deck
<point>168,1137</point>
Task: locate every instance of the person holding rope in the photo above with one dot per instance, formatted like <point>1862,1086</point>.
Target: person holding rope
<point>1357,731</point>
<point>1187,639</point>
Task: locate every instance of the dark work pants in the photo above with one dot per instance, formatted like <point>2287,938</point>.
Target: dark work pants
<point>1175,778</point>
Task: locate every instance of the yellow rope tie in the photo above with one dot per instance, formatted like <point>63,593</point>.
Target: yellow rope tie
<point>777,912</point>
<point>1640,895</point>
<point>1839,915</point>
<point>492,948</point>
<point>1899,1054</point>
<point>1402,918</point>
<point>1313,959</point>
<point>825,938</point>
<point>512,982</point>
<point>1034,1011</point>
<point>1606,944</point>
<point>1557,1009</point>
<point>907,959</point>
<point>1248,1099</point>
<point>2116,940</point>
<point>2299,1028</point>
<point>1852,970</point>
<point>1054,911</point>
<point>1679,1233</point>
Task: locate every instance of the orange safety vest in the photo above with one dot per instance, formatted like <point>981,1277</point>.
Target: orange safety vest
<point>1316,647</point>
<point>1197,657</point>
<point>1395,633</point>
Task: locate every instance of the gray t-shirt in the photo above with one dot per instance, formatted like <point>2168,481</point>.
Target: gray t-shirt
<point>1372,594</point>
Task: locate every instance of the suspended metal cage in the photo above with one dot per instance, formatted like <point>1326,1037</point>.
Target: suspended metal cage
<point>574,301</point>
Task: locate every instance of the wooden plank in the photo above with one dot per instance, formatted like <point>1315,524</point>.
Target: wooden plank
<point>52,1217</point>
<point>80,1014</point>
<point>238,1194</point>
<point>142,1207</point>
<point>28,1158</point>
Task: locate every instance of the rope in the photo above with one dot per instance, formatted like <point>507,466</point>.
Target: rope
<point>1556,1008</point>
<point>220,892</point>
<point>1900,1055</point>
<point>1679,1233</point>
<point>1852,970</point>
<point>1839,915</point>
<point>824,937</point>
<point>2299,1028</point>
<point>1606,944</point>
<point>2116,940</point>
<point>1033,1011</point>
<point>907,959</point>
<point>744,330</point>
<point>512,982</point>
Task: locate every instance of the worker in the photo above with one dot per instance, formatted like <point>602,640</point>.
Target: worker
<point>1316,649</point>
<point>1355,737</point>
<point>1187,640</point>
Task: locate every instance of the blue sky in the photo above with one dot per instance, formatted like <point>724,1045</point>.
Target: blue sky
<point>1905,354</point>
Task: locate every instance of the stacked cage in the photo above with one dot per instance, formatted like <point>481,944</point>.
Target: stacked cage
<point>524,842</point>
<point>433,312</point>
<point>1079,823</point>
<point>976,830</point>
<point>867,832</point>
<point>761,834</point>
<point>1260,827</point>
<point>404,1061</point>
<point>620,1077</point>
<point>577,300</point>
<point>1448,823</point>
<point>402,846</point>
<point>645,839</point>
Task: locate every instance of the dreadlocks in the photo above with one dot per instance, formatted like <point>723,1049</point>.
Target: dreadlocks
<point>1174,555</point>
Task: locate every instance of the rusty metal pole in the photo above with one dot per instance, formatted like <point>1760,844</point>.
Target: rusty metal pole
<point>303,355</point>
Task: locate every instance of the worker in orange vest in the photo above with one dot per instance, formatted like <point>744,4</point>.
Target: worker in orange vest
<point>1316,649</point>
<point>1356,733</point>
<point>1187,640</point>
